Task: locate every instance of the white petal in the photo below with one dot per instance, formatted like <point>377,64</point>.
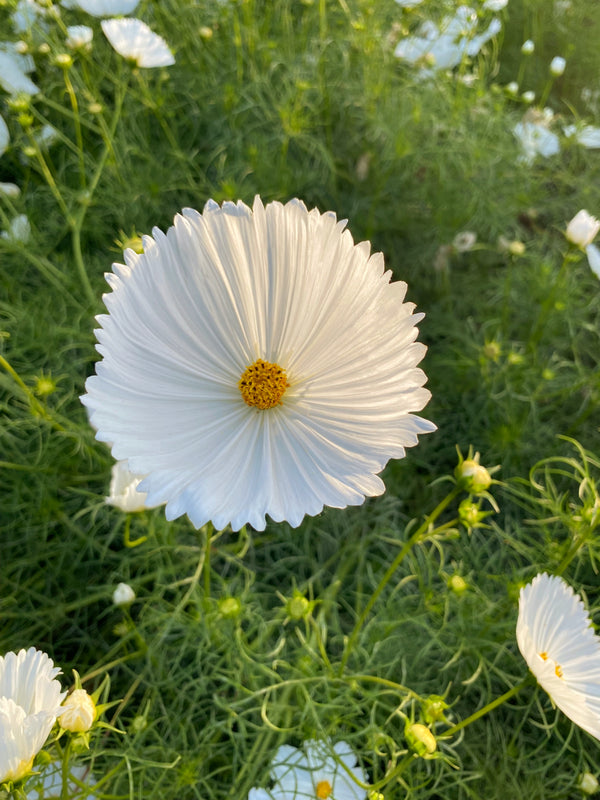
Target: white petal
<point>593,255</point>
<point>132,38</point>
<point>106,8</point>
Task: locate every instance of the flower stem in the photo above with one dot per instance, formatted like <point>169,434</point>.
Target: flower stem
<point>489,707</point>
<point>423,532</point>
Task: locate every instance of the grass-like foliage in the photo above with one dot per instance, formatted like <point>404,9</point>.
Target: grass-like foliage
<point>365,622</point>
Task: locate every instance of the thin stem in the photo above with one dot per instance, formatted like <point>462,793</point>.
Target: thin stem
<point>490,707</point>
<point>209,531</point>
<point>422,532</point>
<point>77,254</point>
<point>77,122</point>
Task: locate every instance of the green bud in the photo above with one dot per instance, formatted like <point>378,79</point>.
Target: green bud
<point>230,607</point>
<point>420,739</point>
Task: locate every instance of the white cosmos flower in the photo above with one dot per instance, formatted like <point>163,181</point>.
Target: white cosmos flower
<point>4,135</point>
<point>30,698</point>
<point>133,39</point>
<point>319,773</point>
<point>19,230</point>
<point>104,8</point>
<point>14,67</point>
<point>582,229</point>
<point>587,135</point>
<point>535,139</point>
<point>556,638</point>
<point>79,36</point>
<point>123,595</point>
<point>123,492</point>
<point>10,190</point>
<point>256,361</point>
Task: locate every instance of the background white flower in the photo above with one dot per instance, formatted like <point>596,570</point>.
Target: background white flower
<point>556,638</point>
<point>30,698</point>
<point>237,303</point>
<point>19,230</point>
<point>123,595</point>
<point>79,36</point>
<point>315,773</point>
<point>133,39</point>
<point>4,135</point>
<point>581,230</point>
<point>587,135</point>
<point>123,491</point>
<point>104,8</point>
<point>535,139</point>
<point>14,68</point>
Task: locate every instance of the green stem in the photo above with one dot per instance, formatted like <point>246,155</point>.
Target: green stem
<point>77,254</point>
<point>209,530</point>
<point>490,707</point>
<point>423,531</point>
<point>77,122</point>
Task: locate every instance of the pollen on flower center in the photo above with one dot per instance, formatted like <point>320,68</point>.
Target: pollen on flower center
<point>557,667</point>
<point>323,790</point>
<point>262,385</point>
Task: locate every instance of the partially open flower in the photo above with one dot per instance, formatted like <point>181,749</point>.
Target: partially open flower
<point>79,712</point>
<point>582,229</point>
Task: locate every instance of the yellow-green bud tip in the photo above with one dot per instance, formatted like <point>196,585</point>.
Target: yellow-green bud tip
<point>420,739</point>
<point>588,783</point>
<point>230,607</point>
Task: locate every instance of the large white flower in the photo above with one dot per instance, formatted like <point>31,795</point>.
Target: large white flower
<point>133,39</point>
<point>556,639</point>
<point>256,361</point>
<point>30,698</point>
<point>322,772</point>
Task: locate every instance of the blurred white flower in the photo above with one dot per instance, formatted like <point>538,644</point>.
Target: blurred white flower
<point>133,39</point>
<point>30,698</point>
<point>104,8</point>
<point>527,47</point>
<point>588,783</point>
<point>557,66</point>
<point>587,135</point>
<point>512,88</point>
<point>464,241</point>
<point>79,37</point>
<point>444,47</point>
<point>557,640</point>
<point>409,3</point>
<point>593,256</point>
<point>535,139</point>
<point>46,136</point>
<point>14,67</point>
<point>495,5</point>
<point>123,595</point>
<point>78,712</point>
<point>10,190</point>
<point>27,14</point>
<point>123,491</point>
<point>19,230</point>
<point>48,783</point>
<point>242,343</point>
<point>4,135</point>
<point>528,96</point>
<point>582,229</point>
<point>321,771</point>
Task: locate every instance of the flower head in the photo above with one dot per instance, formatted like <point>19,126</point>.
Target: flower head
<point>123,595</point>
<point>527,47</point>
<point>123,492</point>
<point>321,772</point>
<point>14,68</point>
<point>464,241</point>
<point>133,39</point>
<point>535,138</point>
<point>30,698</point>
<point>4,135</point>
<point>557,66</point>
<point>105,8</point>
<point>79,37</point>
<point>257,361</point>
<point>78,712</point>
<point>556,639</point>
<point>582,229</point>
<point>19,230</point>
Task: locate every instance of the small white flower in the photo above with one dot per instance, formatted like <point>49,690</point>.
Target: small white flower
<point>582,229</point>
<point>409,3</point>
<point>495,5</point>
<point>557,66</point>
<point>123,491</point>
<point>123,595</point>
<point>241,351</point>
<point>13,71</point>
<point>79,37</point>
<point>30,698</point>
<point>10,190</point>
<point>512,88</point>
<point>527,47</point>
<point>314,773</point>
<point>19,230</point>
<point>27,14</point>
<point>587,135</point>
<point>104,8</point>
<point>133,39</point>
<point>78,712</point>
<point>528,96</point>
<point>4,135</point>
<point>535,139</point>
<point>556,639</point>
<point>464,241</point>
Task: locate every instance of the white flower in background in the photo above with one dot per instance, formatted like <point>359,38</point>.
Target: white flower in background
<point>495,5</point>
<point>133,39</point>
<point>30,698</point>
<point>444,47</point>
<point>314,773</point>
<point>79,37</point>
<point>557,66</point>
<point>48,783</point>
<point>28,14</point>
<point>581,231</point>
<point>587,135</point>
<point>464,241</point>
<point>10,190</point>
<point>588,783</point>
<point>409,3</point>
<point>78,712</point>
<point>528,96</point>
<point>512,88</point>
<point>123,491</point>
<point>103,8</point>
<point>4,135</point>
<point>123,595</point>
<point>19,230</point>
<point>14,68</point>
<point>527,47</point>
<point>241,353</point>
<point>557,640</point>
<point>46,136</point>
<point>535,138</point>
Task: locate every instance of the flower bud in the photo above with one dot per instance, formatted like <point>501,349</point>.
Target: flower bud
<point>298,607</point>
<point>123,595</point>
<point>435,706</point>
<point>230,607</point>
<point>588,783</point>
<point>64,61</point>
<point>79,712</point>
<point>527,47</point>
<point>420,739</point>
<point>557,66</point>
<point>458,585</point>
<point>582,229</point>
<point>528,97</point>
<point>473,477</point>
<point>512,88</point>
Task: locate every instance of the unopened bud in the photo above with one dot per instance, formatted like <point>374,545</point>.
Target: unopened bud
<point>79,712</point>
<point>420,739</point>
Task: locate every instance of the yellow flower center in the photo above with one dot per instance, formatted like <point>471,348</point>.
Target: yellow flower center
<point>262,385</point>
<point>324,789</point>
